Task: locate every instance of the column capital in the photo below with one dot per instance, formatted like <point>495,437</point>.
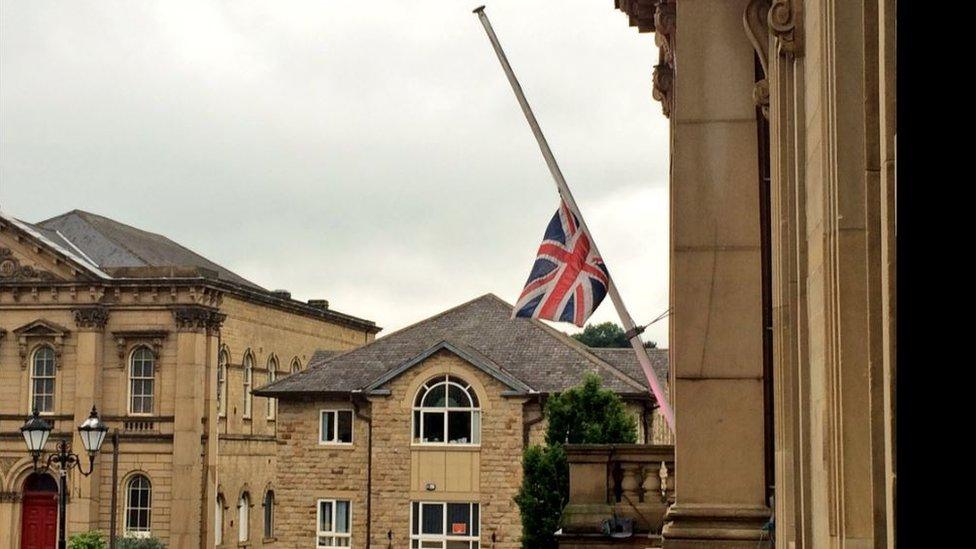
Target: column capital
<point>198,317</point>
<point>91,318</point>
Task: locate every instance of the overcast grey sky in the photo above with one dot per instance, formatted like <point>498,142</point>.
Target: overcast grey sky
<point>368,153</point>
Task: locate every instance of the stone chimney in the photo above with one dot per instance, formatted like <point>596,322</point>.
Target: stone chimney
<point>282,294</point>
<point>319,304</point>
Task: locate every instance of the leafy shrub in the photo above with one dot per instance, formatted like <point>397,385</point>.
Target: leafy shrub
<point>139,543</point>
<point>88,540</point>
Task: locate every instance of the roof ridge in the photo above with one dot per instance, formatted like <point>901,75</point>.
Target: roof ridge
<point>397,332</point>
<point>578,347</point>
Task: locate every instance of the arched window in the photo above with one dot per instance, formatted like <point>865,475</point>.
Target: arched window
<point>296,365</point>
<point>243,517</point>
<point>219,520</point>
<point>42,380</point>
<point>446,411</point>
<point>222,384</point>
<point>269,503</point>
<point>248,371</point>
<point>138,506</point>
<point>142,373</point>
<point>272,375</point>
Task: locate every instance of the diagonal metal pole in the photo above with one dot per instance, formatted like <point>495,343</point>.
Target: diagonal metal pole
<point>633,333</point>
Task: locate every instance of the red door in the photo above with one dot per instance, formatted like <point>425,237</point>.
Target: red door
<point>39,525</point>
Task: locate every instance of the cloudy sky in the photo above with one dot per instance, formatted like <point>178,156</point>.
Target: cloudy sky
<point>368,153</point>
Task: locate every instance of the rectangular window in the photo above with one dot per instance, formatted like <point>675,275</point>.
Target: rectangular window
<point>334,524</point>
<point>335,427</point>
<point>444,525</point>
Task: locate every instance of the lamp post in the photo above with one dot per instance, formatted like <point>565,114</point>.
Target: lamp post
<point>36,431</point>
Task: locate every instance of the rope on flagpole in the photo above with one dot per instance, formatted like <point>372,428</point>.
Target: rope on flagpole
<point>567,196</point>
<point>638,330</point>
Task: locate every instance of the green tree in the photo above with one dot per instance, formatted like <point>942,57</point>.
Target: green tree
<point>607,334</point>
<point>587,414</point>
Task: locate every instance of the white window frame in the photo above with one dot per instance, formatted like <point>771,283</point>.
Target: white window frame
<point>128,528</point>
<point>335,427</point>
<point>219,520</point>
<point>447,380</point>
<point>272,376</point>
<point>244,517</point>
<point>53,377</point>
<point>445,537</point>
<point>332,533</point>
<point>222,358</point>
<point>247,366</point>
<point>132,379</point>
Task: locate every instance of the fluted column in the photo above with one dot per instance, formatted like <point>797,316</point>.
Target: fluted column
<point>716,281</point>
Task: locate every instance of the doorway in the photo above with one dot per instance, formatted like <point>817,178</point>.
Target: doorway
<point>39,522</point>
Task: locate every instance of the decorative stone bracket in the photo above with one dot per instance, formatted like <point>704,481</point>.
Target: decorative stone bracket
<point>125,340</point>
<point>44,331</point>
<point>776,21</point>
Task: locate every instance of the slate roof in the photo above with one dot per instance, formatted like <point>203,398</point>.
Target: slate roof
<point>110,244</point>
<point>625,360</point>
<point>540,358</point>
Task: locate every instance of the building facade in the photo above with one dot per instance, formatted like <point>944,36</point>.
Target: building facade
<point>415,440</point>
<point>167,345</point>
<point>783,256</point>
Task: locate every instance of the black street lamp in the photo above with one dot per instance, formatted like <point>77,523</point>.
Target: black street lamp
<point>36,431</point>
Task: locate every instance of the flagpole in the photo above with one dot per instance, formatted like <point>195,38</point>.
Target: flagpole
<point>633,333</point>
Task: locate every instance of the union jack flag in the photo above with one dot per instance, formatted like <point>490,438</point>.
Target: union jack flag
<point>568,280</point>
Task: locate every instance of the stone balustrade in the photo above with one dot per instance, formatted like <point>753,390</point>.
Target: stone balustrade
<point>622,481</point>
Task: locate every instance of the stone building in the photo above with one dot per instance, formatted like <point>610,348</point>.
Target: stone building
<point>783,257</point>
<point>415,440</point>
<point>167,344</point>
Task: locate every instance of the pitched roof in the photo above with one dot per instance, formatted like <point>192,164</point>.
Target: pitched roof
<point>112,245</point>
<point>542,359</point>
<point>105,249</point>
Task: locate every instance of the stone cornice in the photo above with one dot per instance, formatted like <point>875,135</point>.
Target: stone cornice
<point>166,292</point>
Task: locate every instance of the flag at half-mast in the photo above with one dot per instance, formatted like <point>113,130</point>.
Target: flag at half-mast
<point>568,280</point>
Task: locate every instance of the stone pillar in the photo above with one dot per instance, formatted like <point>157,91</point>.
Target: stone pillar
<point>716,277</point>
<point>212,443</point>
<point>89,359</point>
<point>193,350</point>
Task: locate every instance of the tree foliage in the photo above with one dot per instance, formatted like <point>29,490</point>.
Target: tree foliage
<point>607,334</point>
<point>586,414</point>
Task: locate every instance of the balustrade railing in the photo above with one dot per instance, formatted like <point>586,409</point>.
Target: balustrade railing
<point>630,485</point>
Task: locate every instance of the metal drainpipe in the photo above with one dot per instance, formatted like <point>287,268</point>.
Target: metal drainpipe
<point>369,466</point>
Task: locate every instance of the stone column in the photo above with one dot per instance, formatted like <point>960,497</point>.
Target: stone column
<point>716,293</point>
<point>89,359</point>
<point>192,354</point>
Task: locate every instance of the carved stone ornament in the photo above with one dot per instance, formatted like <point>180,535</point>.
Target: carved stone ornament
<point>91,318</point>
<point>12,271</point>
<point>785,18</point>
<point>760,95</point>
<point>198,318</point>
<point>44,331</point>
<point>663,79</point>
<point>126,340</point>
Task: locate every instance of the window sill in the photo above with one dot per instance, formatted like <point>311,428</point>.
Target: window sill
<point>269,540</point>
<point>441,446</point>
<point>336,446</point>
